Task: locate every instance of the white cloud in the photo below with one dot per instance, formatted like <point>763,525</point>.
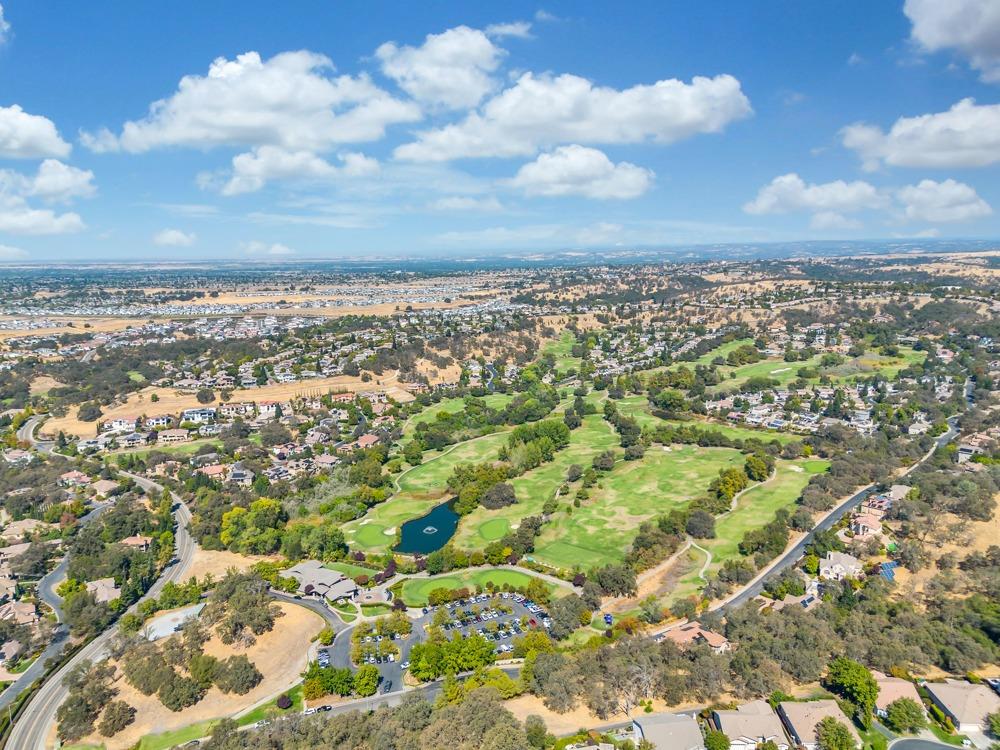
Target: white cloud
<point>544,110</point>
<point>6,251</point>
<point>26,136</point>
<point>452,68</point>
<point>967,135</point>
<point>4,27</point>
<point>972,27</point>
<point>262,248</point>
<point>519,29</point>
<point>251,171</point>
<point>947,201</point>
<point>578,170</point>
<point>56,182</point>
<point>855,59</point>
<point>289,100</point>
<point>174,238</point>
<point>17,217</point>
<point>790,192</point>
<point>466,203</point>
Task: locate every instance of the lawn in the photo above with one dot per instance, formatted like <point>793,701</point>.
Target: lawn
<point>561,349</point>
<point>420,489</point>
<point>601,530</point>
<point>777,369</point>
<point>754,508</point>
<point>533,488</point>
<point>416,590</point>
<point>638,407</point>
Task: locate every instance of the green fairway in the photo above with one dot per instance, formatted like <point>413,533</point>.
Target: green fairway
<point>601,531</point>
<point>533,488</point>
<point>638,407</point>
<point>562,349</point>
<point>450,406</point>
<point>784,373</point>
<point>706,359</point>
<point>416,590</point>
<point>754,508</point>
<point>420,489</point>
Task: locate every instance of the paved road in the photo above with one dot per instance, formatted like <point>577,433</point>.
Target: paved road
<point>47,592</point>
<point>918,745</point>
<point>796,552</point>
<point>32,729</point>
<point>26,434</point>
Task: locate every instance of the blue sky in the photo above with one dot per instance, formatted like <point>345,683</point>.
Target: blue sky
<point>193,130</point>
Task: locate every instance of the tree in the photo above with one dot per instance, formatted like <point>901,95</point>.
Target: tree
<point>853,681</point>
<point>535,730</point>
<point>834,735</point>
<point>366,680</point>
<point>205,396</point>
<point>237,675</point>
<point>117,716</point>
<point>716,740</point>
<point>993,722</point>
<point>904,715</point>
<point>701,524</point>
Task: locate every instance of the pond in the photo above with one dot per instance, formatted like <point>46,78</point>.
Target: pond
<point>428,533</point>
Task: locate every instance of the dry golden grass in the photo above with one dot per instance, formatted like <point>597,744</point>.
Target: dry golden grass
<point>172,401</point>
<point>217,562</point>
<point>435,374</point>
<point>279,655</point>
<point>43,384</point>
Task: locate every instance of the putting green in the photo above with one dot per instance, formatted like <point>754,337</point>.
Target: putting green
<point>494,529</point>
<point>416,590</point>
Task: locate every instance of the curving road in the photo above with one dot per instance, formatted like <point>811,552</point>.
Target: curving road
<point>32,729</point>
<point>795,553</point>
<point>26,434</point>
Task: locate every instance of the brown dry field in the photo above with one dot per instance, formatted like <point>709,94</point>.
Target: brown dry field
<point>436,375</point>
<point>43,384</point>
<point>172,401</point>
<point>217,562</point>
<point>279,655</point>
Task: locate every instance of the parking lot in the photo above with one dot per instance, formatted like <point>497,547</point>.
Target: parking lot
<point>500,618</point>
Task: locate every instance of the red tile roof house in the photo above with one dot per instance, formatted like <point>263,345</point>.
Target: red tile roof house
<point>137,542</point>
<point>685,635</point>
<point>73,479</point>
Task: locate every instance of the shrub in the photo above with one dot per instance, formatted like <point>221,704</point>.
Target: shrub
<point>283,702</point>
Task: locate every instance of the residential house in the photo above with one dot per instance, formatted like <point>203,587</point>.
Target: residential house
<point>138,542</point>
<point>15,531</point>
<point>319,581</point>
<point>17,457</point>
<point>692,632</point>
<point>160,420</point>
<point>104,589</point>
<point>891,689</point>
<point>104,487</point>
<point>20,613</point>
<point>865,524</point>
<point>243,477</point>
<point>750,725</point>
<point>74,479</point>
<point>202,415</point>
<point>967,705</point>
<point>837,566</point>
<point>801,719</point>
<point>673,731</point>
<point>168,437</point>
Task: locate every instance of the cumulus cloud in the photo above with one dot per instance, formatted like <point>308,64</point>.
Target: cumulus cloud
<point>17,217</point>
<point>947,201</point>
<point>545,110</point>
<point>967,135</point>
<point>466,203</point>
<point>251,171</point>
<point>27,136</point>
<point>578,170</point>
<point>174,238</point>
<point>54,182</point>
<point>453,69</point>
<point>831,202</point>
<point>971,27</point>
<point>290,101</point>
<point>263,248</point>
<point>789,193</point>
